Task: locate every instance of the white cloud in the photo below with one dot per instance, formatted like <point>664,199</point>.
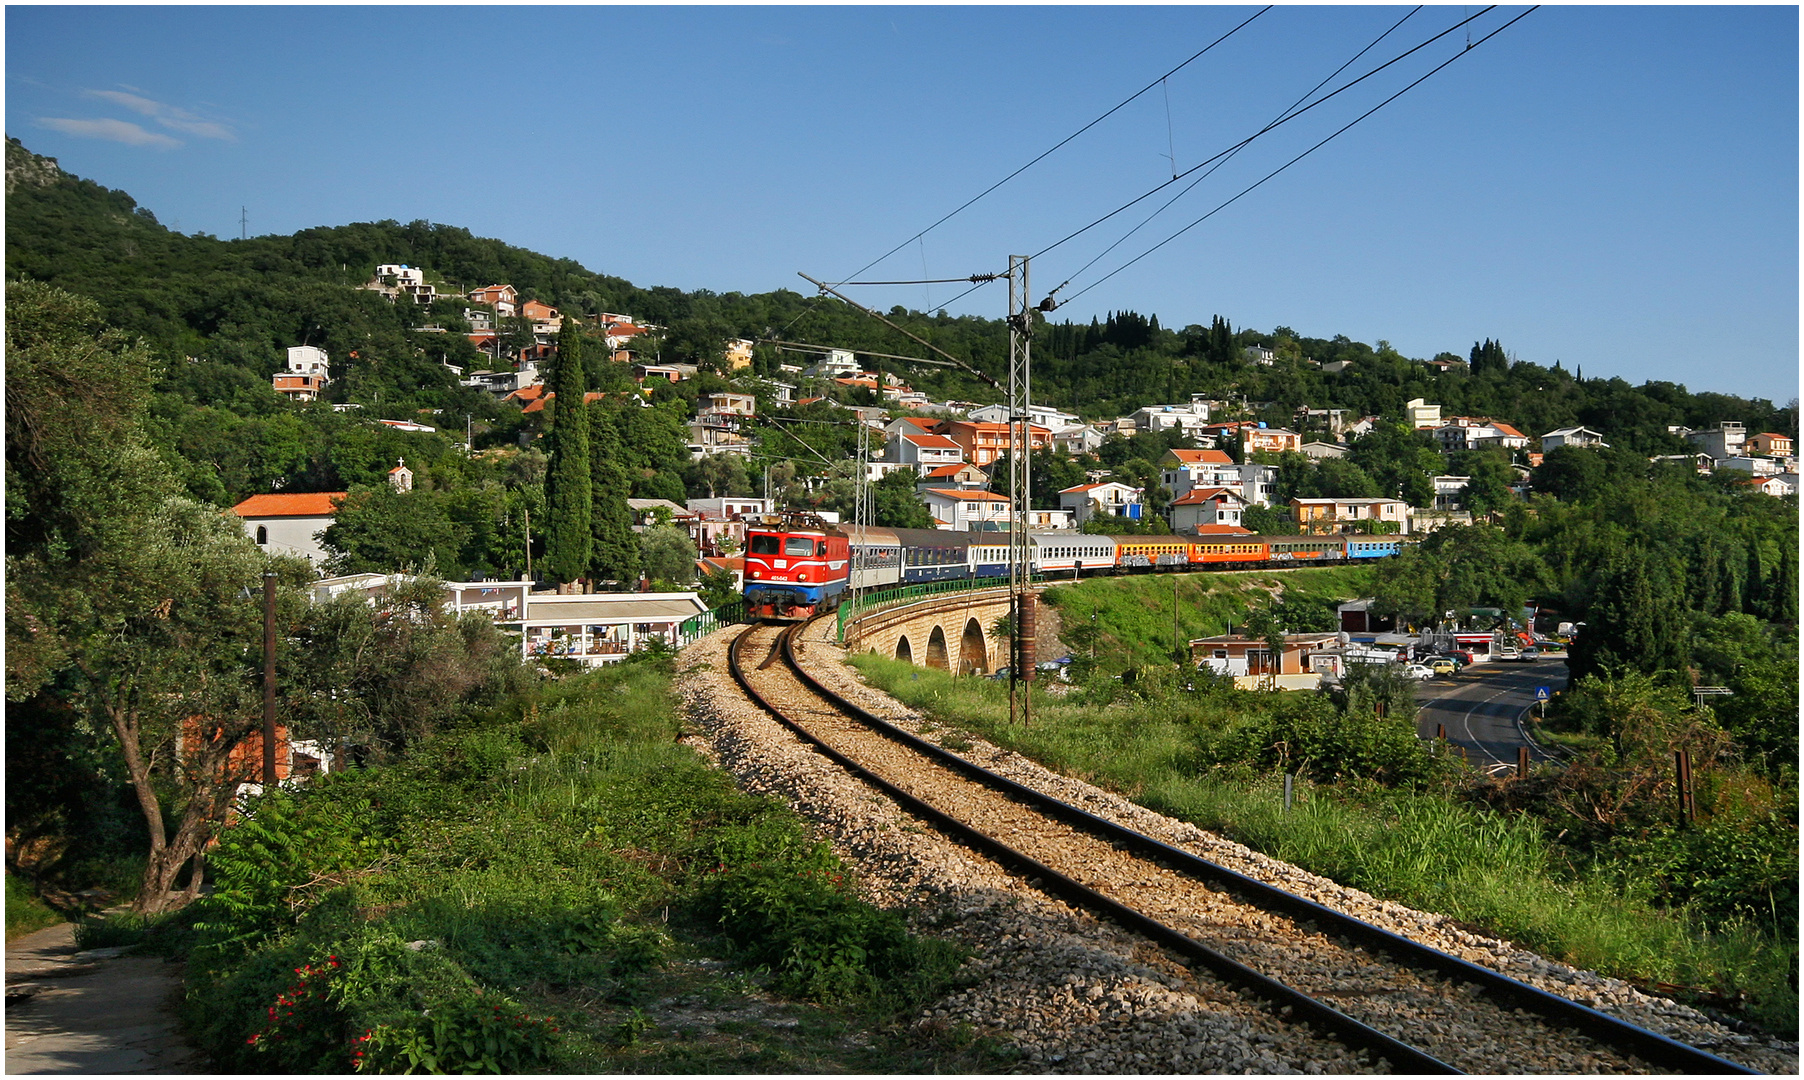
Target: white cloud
<point>167,115</point>
<point>116,130</point>
<point>131,101</point>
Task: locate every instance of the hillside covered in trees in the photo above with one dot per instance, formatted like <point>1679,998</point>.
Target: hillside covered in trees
<point>219,314</point>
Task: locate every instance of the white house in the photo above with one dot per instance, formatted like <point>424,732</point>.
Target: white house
<point>727,506</point>
<point>1077,439</point>
<point>1475,433</point>
<point>956,508</point>
<point>1726,439</point>
<point>1111,499</point>
<point>836,364</point>
<point>1191,418</point>
<point>283,524</point>
<point>1418,414</point>
<point>1181,470</point>
<point>305,377</point>
<point>1581,437</point>
<point>1043,415</point>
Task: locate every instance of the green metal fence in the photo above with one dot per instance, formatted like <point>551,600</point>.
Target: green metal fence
<point>851,609</point>
<point>700,626</point>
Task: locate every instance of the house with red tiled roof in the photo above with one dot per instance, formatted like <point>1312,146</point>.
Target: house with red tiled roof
<point>914,425</point>
<point>1200,507</point>
<point>503,298</point>
<point>620,340</point>
<point>1769,444</point>
<point>922,451</point>
<point>546,320</point>
<point>290,524</point>
<point>964,475</point>
<point>1776,486</point>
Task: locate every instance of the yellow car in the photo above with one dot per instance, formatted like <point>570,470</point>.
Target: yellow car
<point>1444,667</point>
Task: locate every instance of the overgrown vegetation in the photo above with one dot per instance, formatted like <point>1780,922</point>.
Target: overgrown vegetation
<point>1586,861</point>
<point>541,889</point>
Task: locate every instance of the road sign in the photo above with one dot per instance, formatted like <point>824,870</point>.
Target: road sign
<point>1541,693</point>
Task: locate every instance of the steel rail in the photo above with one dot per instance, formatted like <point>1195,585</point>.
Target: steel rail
<point>1657,1050</point>
<point>1290,1003</point>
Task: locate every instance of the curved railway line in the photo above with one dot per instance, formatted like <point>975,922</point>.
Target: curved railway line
<point>1403,1006</point>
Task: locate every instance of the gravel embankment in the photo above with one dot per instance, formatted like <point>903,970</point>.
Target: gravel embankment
<point>1074,994</point>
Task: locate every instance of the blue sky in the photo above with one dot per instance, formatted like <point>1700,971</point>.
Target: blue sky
<point>1615,188</point>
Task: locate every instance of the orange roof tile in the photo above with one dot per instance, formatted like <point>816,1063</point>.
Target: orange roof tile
<point>301,504</point>
<point>1198,496</point>
<point>931,442</point>
<point>1202,457</point>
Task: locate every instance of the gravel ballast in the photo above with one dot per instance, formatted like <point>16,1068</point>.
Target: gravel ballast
<point>1073,994</point>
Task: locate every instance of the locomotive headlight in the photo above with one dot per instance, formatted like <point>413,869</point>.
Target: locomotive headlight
<point>803,576</point>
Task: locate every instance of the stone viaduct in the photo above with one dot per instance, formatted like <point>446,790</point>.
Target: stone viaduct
<point>954,632</point>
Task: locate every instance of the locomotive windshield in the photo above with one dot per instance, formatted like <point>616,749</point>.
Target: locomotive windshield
<point>764,544</point>
<point>800,545</point>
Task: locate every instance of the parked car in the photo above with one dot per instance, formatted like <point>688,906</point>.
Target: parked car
<point>1529,653</point>
<point>1418,671</point>
<point>1464,656</point>
<point>1444,665</point>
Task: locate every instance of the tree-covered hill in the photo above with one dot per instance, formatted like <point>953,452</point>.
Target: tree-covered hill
<point>219,314</point>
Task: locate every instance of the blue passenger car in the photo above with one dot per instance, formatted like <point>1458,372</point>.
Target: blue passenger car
<point>1373,547</point>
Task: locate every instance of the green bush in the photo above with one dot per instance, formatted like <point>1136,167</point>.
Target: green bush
<point>1303,734</point>
<point>1723,868</point>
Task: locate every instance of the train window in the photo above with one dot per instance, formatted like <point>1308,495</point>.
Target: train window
<point>820,547</point>
<point>764,544</point>
<point>798,545</point>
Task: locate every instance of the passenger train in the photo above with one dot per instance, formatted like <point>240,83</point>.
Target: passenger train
<point>797,565</point>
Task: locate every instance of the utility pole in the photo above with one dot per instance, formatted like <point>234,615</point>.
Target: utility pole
<point>1020,563</point>
<point>269,680</point>
<point>527,510</point>
<point>863,516</point>
<point>244,224</point>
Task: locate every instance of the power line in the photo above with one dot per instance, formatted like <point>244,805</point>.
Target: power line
<point>1291,114</point>
<point>1305,153</point>
<point>1242,144</point>
<point>1059,144</point>
<point>1188,188</point>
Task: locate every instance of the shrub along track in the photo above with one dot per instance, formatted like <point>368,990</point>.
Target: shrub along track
<point>1412,1013</point>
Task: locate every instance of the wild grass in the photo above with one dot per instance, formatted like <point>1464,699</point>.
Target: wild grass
<point>25,913</point>
<point>1134,613</point>
<point>563,865</point>
<point>1420,847</point>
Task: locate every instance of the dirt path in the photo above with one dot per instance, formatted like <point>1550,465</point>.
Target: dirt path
<point>91,1012</point>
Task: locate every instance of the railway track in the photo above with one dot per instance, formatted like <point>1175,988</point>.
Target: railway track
<point>1407,1008</point>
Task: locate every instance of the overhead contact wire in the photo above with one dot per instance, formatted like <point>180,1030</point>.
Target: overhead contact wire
<point>1305,153</point>
<point>1237,147</point>
<point>1057,146</point>
<point>1188,188</point>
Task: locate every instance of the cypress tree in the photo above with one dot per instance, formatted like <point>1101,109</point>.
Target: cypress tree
<point>615,554</point>
<point>568,540</point>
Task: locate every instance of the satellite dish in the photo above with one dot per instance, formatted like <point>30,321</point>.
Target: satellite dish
<point>1343,637</point>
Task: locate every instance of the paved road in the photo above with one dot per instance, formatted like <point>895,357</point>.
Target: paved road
<point>92,1012</point>
<point>1482,709</point>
